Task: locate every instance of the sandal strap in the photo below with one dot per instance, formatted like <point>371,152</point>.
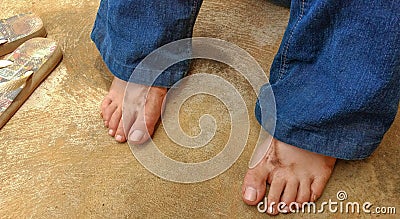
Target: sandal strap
<point>14,82</point>
<point>3,40</point>
<point>9,86</point>
<point>3,31</point>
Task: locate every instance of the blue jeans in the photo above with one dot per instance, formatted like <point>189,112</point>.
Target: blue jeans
<point>126,31</point>
<point>336,76</point>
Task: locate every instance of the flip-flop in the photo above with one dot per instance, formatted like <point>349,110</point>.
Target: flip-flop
<point>22,71</point>
<point>18,29</point>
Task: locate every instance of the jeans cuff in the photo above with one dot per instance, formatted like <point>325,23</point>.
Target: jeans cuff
<point>329,145</point>
<point>147,77</point>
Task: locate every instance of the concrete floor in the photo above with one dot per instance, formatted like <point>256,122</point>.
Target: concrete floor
<point>57,160</point>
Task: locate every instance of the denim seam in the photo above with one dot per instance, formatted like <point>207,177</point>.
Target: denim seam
<point>192,17</point>
<point>189,32</point>
<point>287,45</point>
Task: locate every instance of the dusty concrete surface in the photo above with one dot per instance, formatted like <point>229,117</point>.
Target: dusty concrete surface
<point>58,162</point>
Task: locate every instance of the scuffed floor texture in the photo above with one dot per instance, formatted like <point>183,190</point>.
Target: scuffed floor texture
<point>57,160</point>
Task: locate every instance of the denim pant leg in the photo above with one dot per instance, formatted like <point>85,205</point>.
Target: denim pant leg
<point>126,31</point>
<point>336,76</point>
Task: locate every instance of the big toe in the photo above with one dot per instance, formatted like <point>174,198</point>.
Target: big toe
<point>140,131</point>
<point>254,187</point>
<point>138,136</point>
<point>143,127</point>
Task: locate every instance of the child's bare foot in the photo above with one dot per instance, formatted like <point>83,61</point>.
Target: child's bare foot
<point>295,175</point>
<point>142,110</point>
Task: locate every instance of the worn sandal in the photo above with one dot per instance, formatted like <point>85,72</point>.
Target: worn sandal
<point>22,71</point>
<point>18,29</point>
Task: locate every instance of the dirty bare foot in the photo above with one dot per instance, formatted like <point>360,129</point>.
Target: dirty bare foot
<point>294,175</point>
<point>141,111</point>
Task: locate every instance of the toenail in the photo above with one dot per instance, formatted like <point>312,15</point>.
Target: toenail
<point>314,198</point>
<point>118,138</point>
<point>137,135</point>
<point>110,132</point>
<point>250,194</point>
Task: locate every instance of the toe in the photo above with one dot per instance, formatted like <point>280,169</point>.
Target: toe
<point>114,122</point>
<point>289,196</point>
<point>108,113</point>
<point>274,194</point>
<point>105,111</point>
<point>143,127</point>
<point>120,134</point>
<point>105,103</point>
<point>254,186</point>
<point>317,187</point>
<point>304,194</point>
<point>139,133</point>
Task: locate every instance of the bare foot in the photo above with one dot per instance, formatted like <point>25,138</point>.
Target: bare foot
<point>295,175</point>
<point>141,110</point>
